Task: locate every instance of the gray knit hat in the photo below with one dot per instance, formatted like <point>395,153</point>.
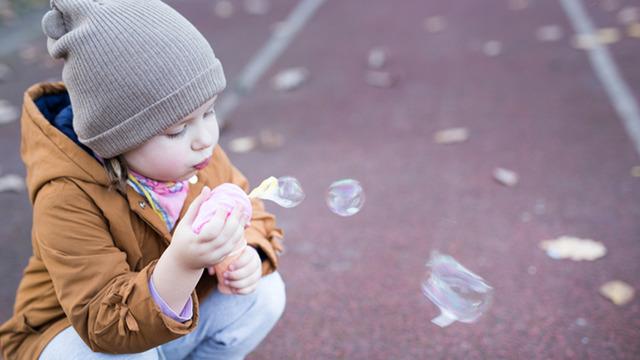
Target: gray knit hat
<point>133,68</point>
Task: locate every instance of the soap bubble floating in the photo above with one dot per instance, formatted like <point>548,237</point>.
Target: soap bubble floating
<point>285,191</point>
<point>345,197</point>
<point>459,294</point>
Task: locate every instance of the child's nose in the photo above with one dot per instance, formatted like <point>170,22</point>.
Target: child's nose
<point>206,137</point>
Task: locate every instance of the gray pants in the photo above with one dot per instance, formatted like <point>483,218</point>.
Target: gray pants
<point>230,327</point>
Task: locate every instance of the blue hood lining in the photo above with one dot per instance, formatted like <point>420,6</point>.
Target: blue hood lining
<point>56,108</point>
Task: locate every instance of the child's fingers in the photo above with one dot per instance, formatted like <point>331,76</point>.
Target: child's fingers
<point>247,290</point>
<point>249,277</point>
<point>211,270</point>
<point>192,211</point>
<point>241,262</point>
<point>214,226</point>
<point>230,226</point>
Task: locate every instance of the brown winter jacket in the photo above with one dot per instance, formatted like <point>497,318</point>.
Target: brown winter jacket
<point>95,249</point>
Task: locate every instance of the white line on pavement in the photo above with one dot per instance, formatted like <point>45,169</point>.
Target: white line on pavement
<point>606,70</point>
<point>276,44</point>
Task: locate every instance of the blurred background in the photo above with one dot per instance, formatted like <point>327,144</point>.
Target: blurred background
<point>476,128</point>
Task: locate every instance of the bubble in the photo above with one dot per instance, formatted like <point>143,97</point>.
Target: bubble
<point>285,191</point>
<point>459,294</point>
<point>290,193</point>
<point>345,197</point>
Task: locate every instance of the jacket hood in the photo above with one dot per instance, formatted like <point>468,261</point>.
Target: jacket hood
<point>47,148</point>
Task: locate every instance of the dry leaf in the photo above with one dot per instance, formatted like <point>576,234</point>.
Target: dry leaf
<point>5,70</point>
<point>290,79</point>
<point>256,7</point>
<point>518,4</point>
<point>568,247</point>
<point>619,292</point>
<point>492,48</point>
<point>505,177</point>
<point>7,13</point>
<point>8,112</point>
<point>601,37</point>
<point>243,145</point>
<point>270,139</point>
<point>629,15</point>
<point>382,79</point>
<point>635,171</point>
<point>633,30</point>
<point>223,9</point>
<point>609,5</point>
<point>377,58</point>
<point>435,24</point>
<point>12,182</point>
<point>452,135</point>
<point>549,33</point>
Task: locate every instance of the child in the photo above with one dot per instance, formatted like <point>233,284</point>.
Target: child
<point>116,267</point>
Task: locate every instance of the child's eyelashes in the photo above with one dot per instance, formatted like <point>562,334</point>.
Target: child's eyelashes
<point>210,114</point>
<point>178,134</point>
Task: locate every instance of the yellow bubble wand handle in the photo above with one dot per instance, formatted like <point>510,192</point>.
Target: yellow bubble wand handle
<point>266,189</point>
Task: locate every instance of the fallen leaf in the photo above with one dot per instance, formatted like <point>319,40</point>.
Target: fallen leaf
<point>601,37</point>
<point>29,53</point>
<point>609,5</point>
<point>8,112</point>
<point>7,13</point>
<point>290,79</point>
<point>505,177</point>
<point>270,139</point>
<point>619,292</point>
<point>452,135</point>
<point>256,7</point>
<point>492,48</point>
<point>243,145</point>
<point>382,79</point>
<point>629,15</point>
<point>568,247</point>
<point>377,58</point>
<point>633,30</point>
<point>435,24</point>
<point>518,4</point>
<point>223,9</point>
<point>549,33</point>
<point>5,70</point>
<point>12,182</point>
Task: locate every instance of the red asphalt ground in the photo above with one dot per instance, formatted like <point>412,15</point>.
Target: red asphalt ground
<point>353,284</point>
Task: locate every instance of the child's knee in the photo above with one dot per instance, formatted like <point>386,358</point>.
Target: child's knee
<point>273,297</point>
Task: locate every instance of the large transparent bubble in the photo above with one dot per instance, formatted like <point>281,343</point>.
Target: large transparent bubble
<point>345,197</point>
<point>285,191</point>
<point>459,294</point>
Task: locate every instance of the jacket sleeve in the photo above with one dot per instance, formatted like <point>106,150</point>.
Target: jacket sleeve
<point>262,233</point>
<point>108,304</point>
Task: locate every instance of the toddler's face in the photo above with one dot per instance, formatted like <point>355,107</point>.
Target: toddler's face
<point>179,152</point>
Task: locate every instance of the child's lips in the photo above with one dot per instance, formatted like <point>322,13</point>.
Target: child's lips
<point>203,164</point>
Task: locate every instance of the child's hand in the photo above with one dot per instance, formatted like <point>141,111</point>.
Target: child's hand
<point>244,273</point>
<point>219,237</point>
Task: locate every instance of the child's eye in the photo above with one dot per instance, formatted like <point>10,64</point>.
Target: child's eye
<point>210,113</point>
<point>175,135</point>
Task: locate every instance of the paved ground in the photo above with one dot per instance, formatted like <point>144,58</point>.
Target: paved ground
<point>354,283</point>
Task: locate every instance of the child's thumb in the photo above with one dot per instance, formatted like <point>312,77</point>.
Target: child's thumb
<point>191,213</point>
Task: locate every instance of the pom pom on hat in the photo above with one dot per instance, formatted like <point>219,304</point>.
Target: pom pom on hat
<point>53,24</point>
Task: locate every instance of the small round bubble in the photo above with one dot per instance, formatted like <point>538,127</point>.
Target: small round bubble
<point>345,197</point>
<point>290,193</point>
